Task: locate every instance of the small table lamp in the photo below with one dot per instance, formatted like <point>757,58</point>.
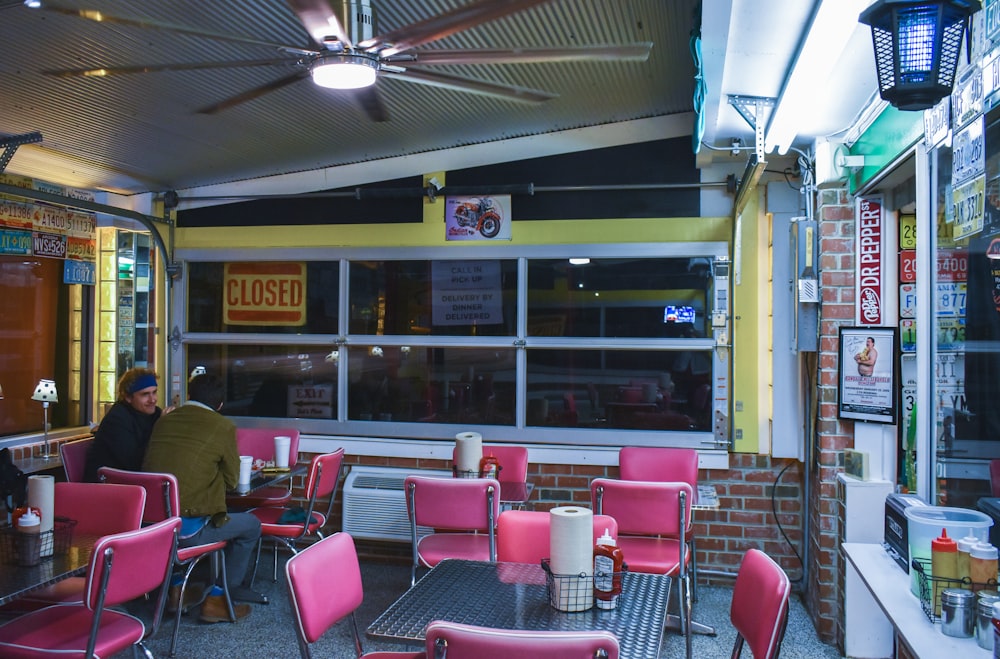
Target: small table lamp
<point>45,391</point>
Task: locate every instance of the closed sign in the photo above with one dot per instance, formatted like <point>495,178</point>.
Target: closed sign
<point>265,294</point>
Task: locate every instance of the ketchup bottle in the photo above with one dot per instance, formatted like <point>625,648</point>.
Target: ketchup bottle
<point>607,572</point>
<point>489,467</point>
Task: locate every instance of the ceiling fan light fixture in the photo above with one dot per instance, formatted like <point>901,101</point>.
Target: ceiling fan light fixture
<point>344,71</point>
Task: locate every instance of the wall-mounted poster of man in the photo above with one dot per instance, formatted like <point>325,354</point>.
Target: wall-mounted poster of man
<point>868,374</point>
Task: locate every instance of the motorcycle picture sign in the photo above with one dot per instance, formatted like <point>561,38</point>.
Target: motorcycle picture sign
<point>477,218</point>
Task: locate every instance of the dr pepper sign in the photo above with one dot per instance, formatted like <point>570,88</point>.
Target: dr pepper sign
<point>870,263</point>
<point>265,294</point>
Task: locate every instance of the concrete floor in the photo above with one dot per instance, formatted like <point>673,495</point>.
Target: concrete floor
<point>268,631</point>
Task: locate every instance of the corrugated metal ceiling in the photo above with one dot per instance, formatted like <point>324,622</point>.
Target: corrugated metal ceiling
<point>138,133</point>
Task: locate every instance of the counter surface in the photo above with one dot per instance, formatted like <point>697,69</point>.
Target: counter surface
<point>890,587</point>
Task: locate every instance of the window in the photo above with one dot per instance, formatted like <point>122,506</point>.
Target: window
<point>965,337</point>
<point>424,347</point>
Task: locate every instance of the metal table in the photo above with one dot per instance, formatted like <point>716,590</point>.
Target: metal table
<point>514,596</point>
<point>17,581</point>
<point>267,478</point>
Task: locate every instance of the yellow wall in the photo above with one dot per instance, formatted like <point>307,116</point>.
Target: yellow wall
<point>748,354</point>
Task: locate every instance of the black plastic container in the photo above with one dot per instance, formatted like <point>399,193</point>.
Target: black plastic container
<point>896,538</point>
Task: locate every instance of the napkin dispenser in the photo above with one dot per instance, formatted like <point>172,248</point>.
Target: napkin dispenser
<point>896,537</point>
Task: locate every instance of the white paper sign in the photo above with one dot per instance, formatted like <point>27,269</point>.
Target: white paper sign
<point>467,293</point>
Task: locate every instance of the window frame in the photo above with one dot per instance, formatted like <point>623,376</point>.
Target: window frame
<point>519,432</point>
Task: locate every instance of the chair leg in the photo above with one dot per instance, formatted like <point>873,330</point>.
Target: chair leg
<point>694,570</point>
<point>218,568</point>
<point>256,561</point>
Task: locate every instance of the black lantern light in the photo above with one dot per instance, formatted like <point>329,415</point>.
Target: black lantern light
<point>917,44</point>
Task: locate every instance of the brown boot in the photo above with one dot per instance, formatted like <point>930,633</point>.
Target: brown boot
<point>214,609</point>
<point>193,594</point>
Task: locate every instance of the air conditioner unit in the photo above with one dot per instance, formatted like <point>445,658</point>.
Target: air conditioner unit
<point>375,503</point>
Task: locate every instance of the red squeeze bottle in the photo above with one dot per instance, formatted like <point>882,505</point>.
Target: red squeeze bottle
<point>608,560</point>
<point>489,466</point>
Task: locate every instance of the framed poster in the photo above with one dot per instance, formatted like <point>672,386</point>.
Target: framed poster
<point>868,379</point>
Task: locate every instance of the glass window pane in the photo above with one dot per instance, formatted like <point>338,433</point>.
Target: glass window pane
<point>431,385</point>
<point>650,390</point>
<point>436,298</point>
<point>271,297</point>
<point>967,338</point>
<point>272,381</point>
<point>618,297</point>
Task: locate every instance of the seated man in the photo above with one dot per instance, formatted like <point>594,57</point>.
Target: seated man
<point>198,446</point>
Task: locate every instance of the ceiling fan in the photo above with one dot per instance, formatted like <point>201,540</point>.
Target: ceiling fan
<point>342,51</point>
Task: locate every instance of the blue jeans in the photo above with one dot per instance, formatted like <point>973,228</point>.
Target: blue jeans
<point>241,534</point>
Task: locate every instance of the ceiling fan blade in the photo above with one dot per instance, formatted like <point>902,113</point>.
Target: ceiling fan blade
<point>509,92</point>
<point>370,102</point>
<point>438,27</point>
<point>155,68</point>
<point>101,17</point>
<point>636,52</point>
<point>253,93</point>
<point>321,22</point>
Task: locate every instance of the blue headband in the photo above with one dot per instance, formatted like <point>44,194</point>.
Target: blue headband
<point>142,382</point>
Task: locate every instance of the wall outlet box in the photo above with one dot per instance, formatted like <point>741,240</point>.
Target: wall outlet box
<point>856,464</point>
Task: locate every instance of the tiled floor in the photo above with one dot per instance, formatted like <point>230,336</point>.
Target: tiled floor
<point>268,631</point>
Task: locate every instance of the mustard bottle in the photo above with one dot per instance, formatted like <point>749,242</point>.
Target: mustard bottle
<point>944,566</point>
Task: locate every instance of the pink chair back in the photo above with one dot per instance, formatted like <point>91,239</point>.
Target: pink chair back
<point>458,504</point>
<point>99,508</point>
<point>162,495</point>
<point>324,585</point>
<point>995,477</point>
<point>74,458</point>
<point>321,483</point>
<point>523,535</point>
<point>658,463</point>
<point>759,609</point>
<point>259,442</point>
<point>130,564</point>
<point>456,640</point>
<point>642,507</point>
<point>513,460</point>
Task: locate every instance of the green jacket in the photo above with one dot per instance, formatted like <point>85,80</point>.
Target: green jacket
<point>198,446</point>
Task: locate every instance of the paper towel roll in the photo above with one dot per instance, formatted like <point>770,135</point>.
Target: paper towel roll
<point>571,553</point>
<point>468,452</point>
<point>42,495</point>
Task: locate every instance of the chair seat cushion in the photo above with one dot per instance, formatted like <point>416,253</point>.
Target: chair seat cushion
<point>62,592</point>
<point>653,555</point>
<point>186,554</point>
<point>65,628</point>
<point>434,548</point>
<point>269,522</point>
<point>265,496</point>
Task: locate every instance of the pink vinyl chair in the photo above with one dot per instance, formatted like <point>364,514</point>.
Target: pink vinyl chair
<point>523,535</point>
<point>513,461</point>
<point>74,458</point>
<point>995,477</point>
<point>324,587</point>
<point>456,640</point>
<point>124,566</point>
<point>668,465</point>
<point>321,489</point>
<point>98,510</point>
<point>163,502</point>
<point>652,524</point>
<point>759,610</point>
<point>462,514</point>
<point>259,442</point>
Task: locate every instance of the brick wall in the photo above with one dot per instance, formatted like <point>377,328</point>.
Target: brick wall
<point>825,600</point>
<point>744,519</point>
